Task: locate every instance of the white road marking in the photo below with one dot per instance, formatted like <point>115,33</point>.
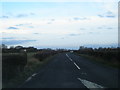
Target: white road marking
<point>69,57</point>
<point>89,84</point>
<point>76,65</point>
<point>29,79</point>
<point>73,62</point>
<point>34,74</point>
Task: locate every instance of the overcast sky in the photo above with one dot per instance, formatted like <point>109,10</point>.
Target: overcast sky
<point>59,24</point>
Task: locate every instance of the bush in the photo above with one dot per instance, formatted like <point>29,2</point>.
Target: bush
<point>41,55</point>
<point>12,64</point>
<point>107,54</point>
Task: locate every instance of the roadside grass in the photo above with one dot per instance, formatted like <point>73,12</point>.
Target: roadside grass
<point>32,65</point>
<point>112,63</point>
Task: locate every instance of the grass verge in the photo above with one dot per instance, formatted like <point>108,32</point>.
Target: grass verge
<point>114,64</point>
<point>32,65</point>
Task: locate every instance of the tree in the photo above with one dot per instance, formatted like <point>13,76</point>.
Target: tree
<point>11,47</point>
<point>81,48</point>
<point>4,46</point>
<point>19,47</point>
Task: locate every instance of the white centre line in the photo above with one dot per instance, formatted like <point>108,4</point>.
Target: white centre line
<point>69,57</point>
<point>89,84</point>
<point>73,62</point>
<point>76,65</point>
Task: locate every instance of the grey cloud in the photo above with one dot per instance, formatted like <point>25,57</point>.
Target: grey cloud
<point>12,28</point>
<point>20,25</point>
<point>4,38</point>
<point>82,28</point>
<point>4,16</point>
<point>105,27</point>
<point>35,33</point>
<point>62,38</point>
<point>90,32</point>
<point>26,25</point>
<point>79,18</point>
<point>13,42</point>
<point>32,13</point>
<point>74,34</point>
<point>108,14</point>
<point>101,16</point>
<point>76,18</point>
<point>21,15</point>
<point>100,27</point>
<point>93,32</point>
<point>30,26</point>
<point>24,15</point>
<point>52,19</point>
<point>18,16</point>
<point>109,28</point>
<point>49,23</point>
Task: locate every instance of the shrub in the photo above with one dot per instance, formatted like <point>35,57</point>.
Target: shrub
<point>12,63</point>
<point>41,55</point>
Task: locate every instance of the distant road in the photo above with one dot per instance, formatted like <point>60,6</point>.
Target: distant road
<point>67,70</point>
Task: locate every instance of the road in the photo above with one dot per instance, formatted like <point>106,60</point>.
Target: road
<point>67,70</point>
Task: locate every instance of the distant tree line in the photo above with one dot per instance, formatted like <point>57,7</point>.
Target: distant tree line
<point>17,49</point>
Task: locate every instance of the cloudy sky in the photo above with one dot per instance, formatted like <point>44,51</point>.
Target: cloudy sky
<point>59,24</point>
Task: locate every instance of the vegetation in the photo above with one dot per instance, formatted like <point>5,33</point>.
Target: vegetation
<point>18,63</point>
<point>108,56</point>
<point>31,67</point>
<point>41,55</point>
<point>12,64</point>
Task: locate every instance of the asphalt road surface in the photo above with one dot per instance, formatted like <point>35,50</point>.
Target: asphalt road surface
<point>67,70</point>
